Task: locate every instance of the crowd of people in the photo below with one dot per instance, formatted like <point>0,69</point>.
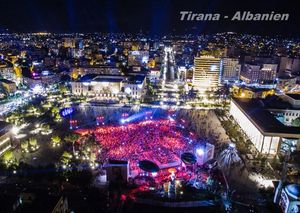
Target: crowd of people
<point>160,141</point>
<point>158,136</point>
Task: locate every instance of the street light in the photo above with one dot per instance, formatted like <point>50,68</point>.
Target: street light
<point>15,130</point>
<point>200,151</point>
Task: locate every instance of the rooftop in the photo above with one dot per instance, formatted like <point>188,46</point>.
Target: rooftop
<point>4,127</point>
<point>254,89</point>
<point>6,81</point>
<point>103,79</point>
<point>294,96</point>
<point>87,77</point>
<point>262,117</point>
<point>135,79</point>
<point>293,190</point>
<point>287,77</point>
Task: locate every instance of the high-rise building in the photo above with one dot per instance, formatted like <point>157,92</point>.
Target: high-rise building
<point>258,73</point>
<point>290,64</point>
<point>268,72</point>
<point>230,69</point>
<point>250,73</point>
<point>207,73</point>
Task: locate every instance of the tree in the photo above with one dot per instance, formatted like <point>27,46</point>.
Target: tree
<point>95,145</point>
<point>72,138</point>
<point>8,156</point>
<point>38,111</point>
<point>263,162</point>
<point>66,158</point>
<point>57,117</point>
<point>54,111</point>
<point>296,122</point>
<point>229,157</point>
<point>295,158</point>
<point>45,128</point>
<point>62,89</point>
<point>55,140</point>
<point>24,145</point>
<point>32,142</point>
<point>93,157</point>
<point>31,108</point>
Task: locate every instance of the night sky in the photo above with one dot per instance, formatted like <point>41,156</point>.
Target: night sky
<point>150,16</point>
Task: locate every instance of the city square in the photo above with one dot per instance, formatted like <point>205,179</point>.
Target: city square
<point>149,106</point>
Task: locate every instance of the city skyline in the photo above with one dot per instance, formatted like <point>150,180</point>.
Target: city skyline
<point>149,106</point>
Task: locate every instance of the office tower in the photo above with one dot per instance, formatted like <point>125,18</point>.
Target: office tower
<point>268,72</point>
<point>250,73</point>
<point>258,73</point>
<point>230,69</point>
<point>207,73</point>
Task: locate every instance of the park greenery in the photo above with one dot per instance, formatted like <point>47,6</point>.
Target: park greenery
<point>55,140</point>
<point>296,122</point>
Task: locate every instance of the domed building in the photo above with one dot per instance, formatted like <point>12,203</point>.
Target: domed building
<point>290,199</point>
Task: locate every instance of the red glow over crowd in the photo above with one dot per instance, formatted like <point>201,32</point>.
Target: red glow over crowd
<point>160,141</point>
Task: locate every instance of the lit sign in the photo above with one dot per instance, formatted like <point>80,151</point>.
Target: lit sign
<point>66,111</point>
